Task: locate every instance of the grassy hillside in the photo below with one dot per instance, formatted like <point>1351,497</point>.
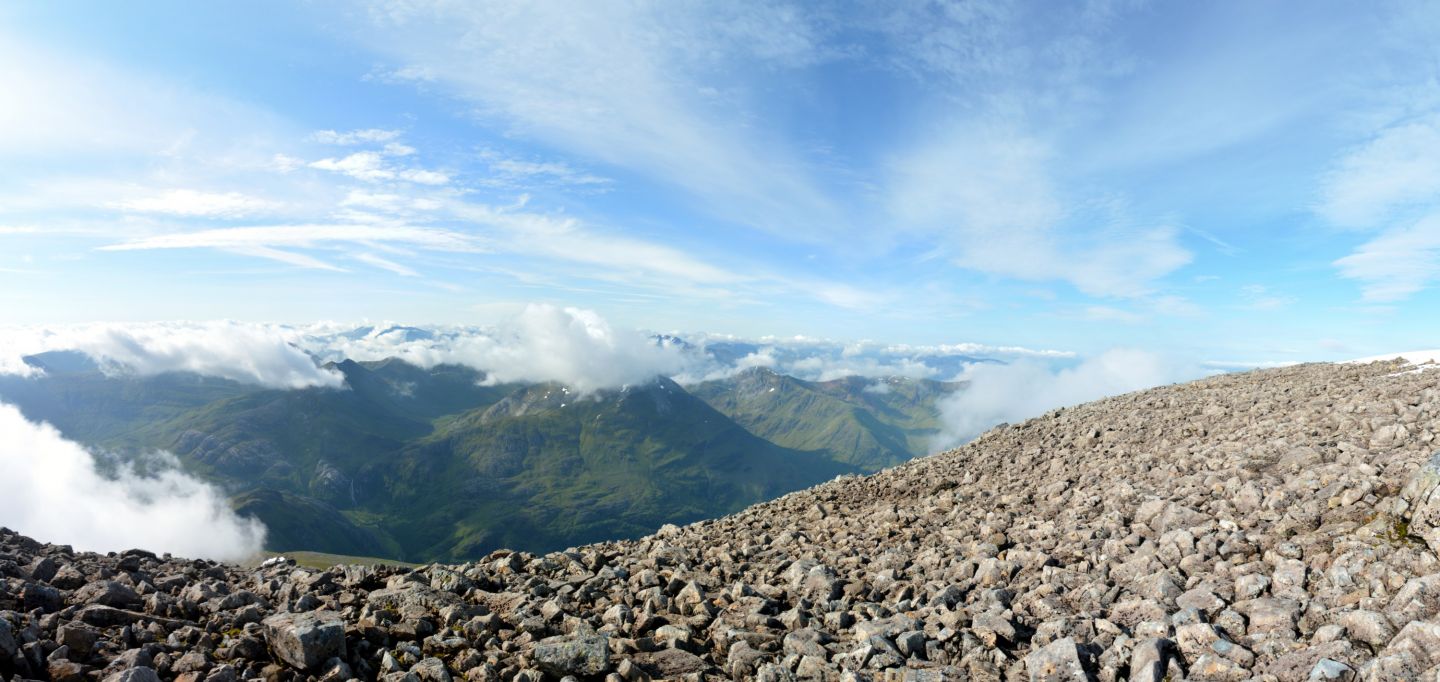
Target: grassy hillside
<point>867,423</point>
<point>295,523</point>
<point>431,464</point>
<point>544,468</point>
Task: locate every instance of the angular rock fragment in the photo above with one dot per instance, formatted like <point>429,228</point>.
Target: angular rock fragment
<point>306,640</point>
<point>582,653</point>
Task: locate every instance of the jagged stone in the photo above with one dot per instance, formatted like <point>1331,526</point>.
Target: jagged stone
<point>584,653</point>
<point>1058,661</point>
<point>672,663</point>
<point>141,674</point>
<point>306,640</point>
<point>1327,669</point>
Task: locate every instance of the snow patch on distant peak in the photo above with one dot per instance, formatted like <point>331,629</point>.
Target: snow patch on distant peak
<point>1414,357</point>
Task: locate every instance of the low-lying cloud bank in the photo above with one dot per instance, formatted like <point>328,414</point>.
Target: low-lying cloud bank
<point>1028,388</point>
<point>51,489</point>
<point>824,360</point>
<point>540,343</point>
<point>262,354</point>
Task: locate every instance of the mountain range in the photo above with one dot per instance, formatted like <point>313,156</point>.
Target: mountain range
<point>426,464</point>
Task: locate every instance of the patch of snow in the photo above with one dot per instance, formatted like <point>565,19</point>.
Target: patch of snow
<point>1420,360</point>
<point>1414,357</point>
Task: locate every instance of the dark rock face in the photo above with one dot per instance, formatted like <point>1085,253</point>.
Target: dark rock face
<point>1270,526</point>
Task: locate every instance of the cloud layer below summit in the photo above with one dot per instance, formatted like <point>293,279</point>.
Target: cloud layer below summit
<point>68,499</point>
<point>535,343</point>
<point>1015,392</point>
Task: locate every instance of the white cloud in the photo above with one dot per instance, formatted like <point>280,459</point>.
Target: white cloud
<point>386,264</point>
<point>304,236</point>
<point>366,166</point>
<point>1015,392</point>
<point>521,173</point>
<point>1398,168</point>
<point>189,202</point>
<point>50,489</point>
<point>265,355</point>
<point>298,260</point>
<point>532,343</point>
<point>1398,263</point>
<point>825,360</point>
<point>370,166</point>
<point>353,137</point>
<point>980,349</point>
<point>397,149</point>
<point>987,192</point>
<point>424,177</point>
<point>568,239</point>
<point>571,346</point>
<point>57,104</point>
<point>1390,183</point>
<point>624,85</point>
<point>284,163</point>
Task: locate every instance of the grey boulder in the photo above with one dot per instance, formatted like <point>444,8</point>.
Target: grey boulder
<point>306,640</point>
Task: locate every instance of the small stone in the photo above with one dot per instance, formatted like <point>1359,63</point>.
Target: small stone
<point>911,643</point>
<point>431,670</point>
<point>1217,668</point>
<point>65,671</point>
<point>1147,662</point>
<point>139,674</point>
<point>1327,669</point>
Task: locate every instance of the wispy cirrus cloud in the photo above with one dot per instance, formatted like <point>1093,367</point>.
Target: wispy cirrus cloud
<point>1389,184</point>
<point>1398,169</point>
<point>990,194</point>
<point>351,137</point>
<point>518,173</point>
<point>372,167</point>
<point>636,87</point>
<point>190,202</point>
<point>1398,263</point>
<point>303,236</point>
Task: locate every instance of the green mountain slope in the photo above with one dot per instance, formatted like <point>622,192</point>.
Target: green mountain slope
<point>868,423</point>
<point>543,468</point>
<point>295,522</point>
<point>91,407</point>
<point>428,464</point>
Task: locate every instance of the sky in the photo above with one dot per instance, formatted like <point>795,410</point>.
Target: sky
<point>1227,182</point>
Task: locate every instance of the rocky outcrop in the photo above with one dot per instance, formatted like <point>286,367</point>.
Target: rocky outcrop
<point>1275,525</point>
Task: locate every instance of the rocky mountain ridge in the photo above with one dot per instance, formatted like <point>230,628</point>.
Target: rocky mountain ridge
<point>1274,525</point>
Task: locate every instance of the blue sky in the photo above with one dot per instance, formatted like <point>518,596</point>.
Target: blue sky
<point>1251,182</point>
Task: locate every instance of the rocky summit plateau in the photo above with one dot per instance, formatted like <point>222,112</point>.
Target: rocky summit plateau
<point>1273,525</point>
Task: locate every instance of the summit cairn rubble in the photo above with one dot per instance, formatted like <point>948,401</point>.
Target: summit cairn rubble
<point>1273,525</point>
